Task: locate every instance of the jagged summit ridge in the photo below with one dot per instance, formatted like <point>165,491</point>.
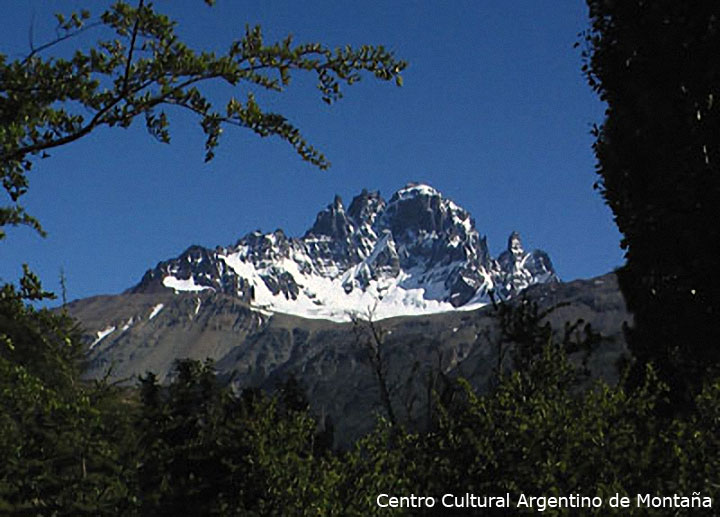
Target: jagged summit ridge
<point>417,253</point>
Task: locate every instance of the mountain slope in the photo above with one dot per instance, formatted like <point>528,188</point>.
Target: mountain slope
<point>133,333</point>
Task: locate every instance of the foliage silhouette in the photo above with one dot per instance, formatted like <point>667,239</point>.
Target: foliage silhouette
<point>654,65</point>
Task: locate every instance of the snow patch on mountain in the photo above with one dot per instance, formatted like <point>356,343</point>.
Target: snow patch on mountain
<point>156,310</point>
<point>102,334</point>
<point>127,325</point>
<point>182,284</point>
<point>326,297</point>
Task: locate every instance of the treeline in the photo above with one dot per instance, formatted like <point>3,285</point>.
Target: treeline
<point>197,447</point>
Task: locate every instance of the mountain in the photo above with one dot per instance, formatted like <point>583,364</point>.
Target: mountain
<point>417,253</point>
<point>273,306</point>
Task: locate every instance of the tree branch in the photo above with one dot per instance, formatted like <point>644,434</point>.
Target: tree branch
<point>133,38</point>
<point>59,39</point>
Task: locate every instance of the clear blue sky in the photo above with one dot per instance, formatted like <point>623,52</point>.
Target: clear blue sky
<point>494,113</point>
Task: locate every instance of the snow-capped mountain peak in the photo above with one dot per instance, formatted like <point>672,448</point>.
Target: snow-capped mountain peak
<point>417,253</point>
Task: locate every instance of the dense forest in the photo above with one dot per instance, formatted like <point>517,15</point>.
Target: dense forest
<point>545,429</point>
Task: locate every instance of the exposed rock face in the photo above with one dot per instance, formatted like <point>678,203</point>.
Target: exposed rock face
<point>417,253</point>
<point>196,269</point>
<point>521,269</point>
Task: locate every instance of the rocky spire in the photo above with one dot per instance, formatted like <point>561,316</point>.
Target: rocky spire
<point>332,221</point>
<point>365,207</point>
<point>515,247</point>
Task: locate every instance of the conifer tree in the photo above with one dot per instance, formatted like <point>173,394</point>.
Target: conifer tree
<point>658,157</point>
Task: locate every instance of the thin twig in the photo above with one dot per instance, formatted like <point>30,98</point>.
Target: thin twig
<point>59,39</point>
<point>132,47</point>
<point>31,30</point>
